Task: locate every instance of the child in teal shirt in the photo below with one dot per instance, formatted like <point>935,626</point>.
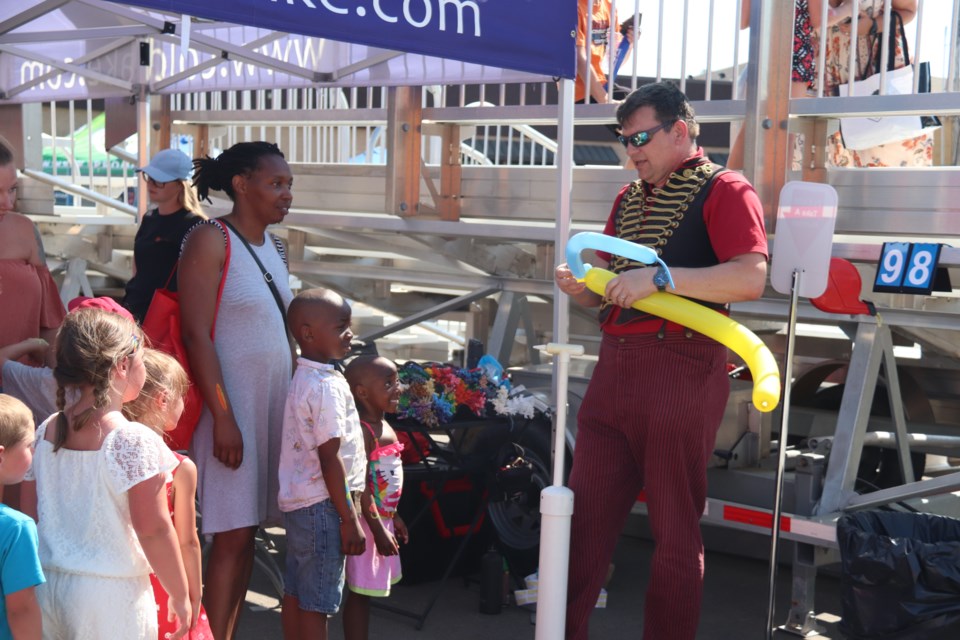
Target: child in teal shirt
<point>20,568</point>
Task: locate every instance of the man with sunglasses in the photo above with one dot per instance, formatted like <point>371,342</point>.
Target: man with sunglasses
<point>659,390</point>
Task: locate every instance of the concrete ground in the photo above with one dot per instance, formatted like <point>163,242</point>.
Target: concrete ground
<point>735,603</point>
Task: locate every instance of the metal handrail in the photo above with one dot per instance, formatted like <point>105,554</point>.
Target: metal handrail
<point>83,192</point>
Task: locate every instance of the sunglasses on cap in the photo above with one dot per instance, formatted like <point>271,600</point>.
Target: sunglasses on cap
<point>642,138</point>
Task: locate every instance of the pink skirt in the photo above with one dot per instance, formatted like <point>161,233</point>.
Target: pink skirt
<point>372,574</point>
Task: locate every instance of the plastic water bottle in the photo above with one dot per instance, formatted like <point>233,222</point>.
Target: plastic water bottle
<point>491,582</point>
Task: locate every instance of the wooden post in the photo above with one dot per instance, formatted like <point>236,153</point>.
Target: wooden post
<point>164,124</point>
<point>768,100</point>
<point>404,117</point>
<point>451,172</point>
<point>814,150</point>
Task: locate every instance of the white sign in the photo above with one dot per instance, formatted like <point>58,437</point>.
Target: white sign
<point>803,239</point>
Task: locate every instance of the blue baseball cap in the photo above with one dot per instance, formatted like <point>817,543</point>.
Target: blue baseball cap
<point>169,165</point>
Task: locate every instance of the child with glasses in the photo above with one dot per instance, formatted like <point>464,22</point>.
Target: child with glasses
<point>97,489</point>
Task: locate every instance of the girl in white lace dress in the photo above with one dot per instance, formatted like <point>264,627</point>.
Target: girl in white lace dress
<point>97,489</point>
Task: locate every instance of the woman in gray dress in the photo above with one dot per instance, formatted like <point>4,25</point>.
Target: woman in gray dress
<point>243,372</point>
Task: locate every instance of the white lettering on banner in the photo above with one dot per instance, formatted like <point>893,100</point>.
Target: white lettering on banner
<point>158,62</point>
<point>238,67</point>
<point>459,7</point>
<point>332,8</point>
<point>381,14</point>
<point>306,2</point>
<point>428,10</point>
<point>71,80</point>
<point>31,69</point>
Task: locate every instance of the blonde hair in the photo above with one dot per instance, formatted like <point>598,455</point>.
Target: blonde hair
<point>89,346</point>
<point>164,375</point>
<point>16,421</point>
<point>189,200</point>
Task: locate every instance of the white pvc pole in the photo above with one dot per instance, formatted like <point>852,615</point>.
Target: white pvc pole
<point>556,502</point>
<point>556,511</point>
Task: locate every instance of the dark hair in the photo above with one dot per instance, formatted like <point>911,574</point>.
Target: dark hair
<point>6,153</point>
<point>241,159</point>
<point>666,99</point>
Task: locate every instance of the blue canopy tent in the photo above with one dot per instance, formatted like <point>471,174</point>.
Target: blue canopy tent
<point>528,35</point>
<point>72,49</point>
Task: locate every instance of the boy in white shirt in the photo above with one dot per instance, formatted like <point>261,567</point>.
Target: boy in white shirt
<point>322,466</point>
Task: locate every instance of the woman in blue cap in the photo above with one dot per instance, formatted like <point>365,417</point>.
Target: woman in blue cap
<point>156,247</point>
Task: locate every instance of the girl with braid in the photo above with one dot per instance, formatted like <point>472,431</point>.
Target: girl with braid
<point>241,361</point>
<point>97,489</point>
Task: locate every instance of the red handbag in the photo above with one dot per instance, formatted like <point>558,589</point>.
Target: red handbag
<point>161,325</point>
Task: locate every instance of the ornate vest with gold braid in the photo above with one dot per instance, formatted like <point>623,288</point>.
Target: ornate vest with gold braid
<point>668,220</point>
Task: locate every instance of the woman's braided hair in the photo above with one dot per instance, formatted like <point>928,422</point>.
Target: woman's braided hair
<point>241,159</point>
<point>89,346</point>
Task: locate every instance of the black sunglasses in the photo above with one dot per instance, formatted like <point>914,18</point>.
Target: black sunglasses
<point>155,183</point>
<point>641,138</point>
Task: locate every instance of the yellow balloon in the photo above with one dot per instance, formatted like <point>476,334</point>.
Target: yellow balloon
<point>742,341</point>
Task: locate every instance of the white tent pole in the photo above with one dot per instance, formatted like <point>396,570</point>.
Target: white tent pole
<point>564,163</point>
<point>556,502</point>
<point>143,147</point>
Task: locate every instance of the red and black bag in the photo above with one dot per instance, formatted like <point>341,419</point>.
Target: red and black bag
<point>161,325</point>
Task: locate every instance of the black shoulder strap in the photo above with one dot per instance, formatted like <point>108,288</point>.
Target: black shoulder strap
<point>267,276</point>
<point>896,35</point>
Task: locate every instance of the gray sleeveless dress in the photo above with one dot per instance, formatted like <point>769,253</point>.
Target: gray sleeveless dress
<point>251,342</point>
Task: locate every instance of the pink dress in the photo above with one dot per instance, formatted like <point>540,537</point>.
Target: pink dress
<point>370,573</point>
<point>202,630</point>
<point>30,296</point>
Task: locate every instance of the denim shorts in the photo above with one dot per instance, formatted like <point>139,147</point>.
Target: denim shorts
<point>314,572</point>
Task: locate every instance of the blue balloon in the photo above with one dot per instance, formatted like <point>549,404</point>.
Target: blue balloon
<point>609,244</point>
<point>491,367</point>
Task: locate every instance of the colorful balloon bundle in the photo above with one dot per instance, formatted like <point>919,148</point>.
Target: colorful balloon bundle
<point>433,394</point>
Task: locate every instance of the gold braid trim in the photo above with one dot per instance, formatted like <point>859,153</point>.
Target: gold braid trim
<point>651,221</point>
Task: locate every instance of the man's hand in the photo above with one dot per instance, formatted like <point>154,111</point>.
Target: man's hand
<point>567,283</point>
<point>630,286</point>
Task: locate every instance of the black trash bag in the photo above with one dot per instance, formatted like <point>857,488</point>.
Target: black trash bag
<point>900,576</point>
